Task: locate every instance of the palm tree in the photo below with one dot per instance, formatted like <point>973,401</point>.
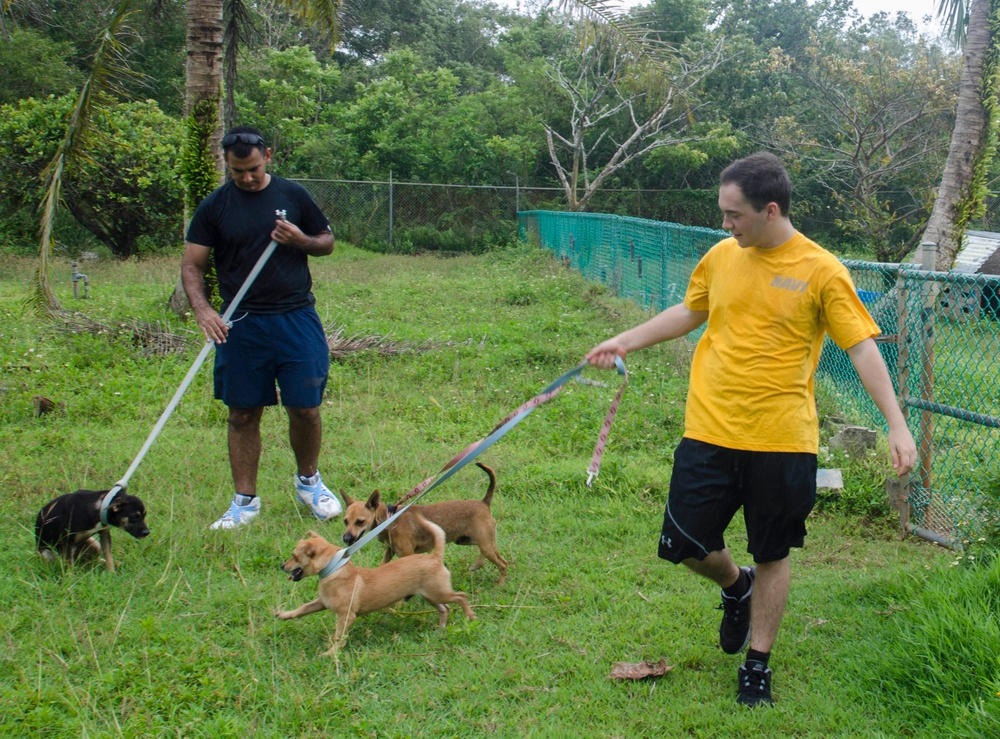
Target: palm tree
<point>212,46</point>
<point>972,141</point>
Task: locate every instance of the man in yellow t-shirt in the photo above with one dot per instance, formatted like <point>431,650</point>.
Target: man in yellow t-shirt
<point>751,434</point>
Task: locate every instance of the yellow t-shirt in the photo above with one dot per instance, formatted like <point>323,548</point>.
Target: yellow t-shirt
<point>752,374</point>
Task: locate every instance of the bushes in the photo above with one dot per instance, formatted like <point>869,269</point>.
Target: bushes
<point>123,190</point>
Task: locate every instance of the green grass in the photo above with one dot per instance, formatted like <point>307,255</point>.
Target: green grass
<point>182,640</point>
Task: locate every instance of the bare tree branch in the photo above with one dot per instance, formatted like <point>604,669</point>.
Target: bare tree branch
<point>601,91</point>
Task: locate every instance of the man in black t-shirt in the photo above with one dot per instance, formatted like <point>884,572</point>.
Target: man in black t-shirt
<point>275,336</point>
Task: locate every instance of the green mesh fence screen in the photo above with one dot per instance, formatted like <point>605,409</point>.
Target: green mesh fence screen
<point>940,341</point>
<point>648,262</point>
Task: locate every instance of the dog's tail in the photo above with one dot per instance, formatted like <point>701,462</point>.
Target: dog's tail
<point>438,534</point>
<point>488,498</point>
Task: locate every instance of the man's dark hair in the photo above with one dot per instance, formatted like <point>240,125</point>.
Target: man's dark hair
<point>241,140</point>
<point>762,179</point>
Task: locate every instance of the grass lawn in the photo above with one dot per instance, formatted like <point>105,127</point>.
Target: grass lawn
<point>182,640</point>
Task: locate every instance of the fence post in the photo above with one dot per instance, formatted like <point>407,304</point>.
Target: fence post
<point>517,195</point>
<point>390,211</point>
<point>903,341</point>
<point>663,270</point>
<point>925,329</point>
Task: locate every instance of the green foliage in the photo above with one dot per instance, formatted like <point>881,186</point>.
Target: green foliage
<point>454,34</point>
<point>476,138</point>
<point>122,187</point>
<point>33,65</point>
<point>455,91</point>
<point>197,166</point>
<point>283,93</point>
<point>864,495</point>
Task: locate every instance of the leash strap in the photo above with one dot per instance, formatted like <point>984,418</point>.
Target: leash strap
<point>188,378</point>
<point>602,438</point>
<point>472,451</point>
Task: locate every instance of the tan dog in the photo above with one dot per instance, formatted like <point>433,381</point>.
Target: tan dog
<point>354,591</point>
<point>465,522</point>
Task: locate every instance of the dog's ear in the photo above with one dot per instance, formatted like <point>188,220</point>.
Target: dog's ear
<point>311,534</point>
<point>374,500</point>
<point>347,498</point>
<point>309,550</point>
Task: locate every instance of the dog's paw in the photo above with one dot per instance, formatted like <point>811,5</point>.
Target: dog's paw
<point>284,615</point>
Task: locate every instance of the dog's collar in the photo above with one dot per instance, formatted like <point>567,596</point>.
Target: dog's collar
<point>336,562</point>
<point>107,500</point>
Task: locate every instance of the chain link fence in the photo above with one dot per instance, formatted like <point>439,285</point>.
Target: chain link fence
<point>408,217</point>
<point>990,220</point>
<point>940,341</point>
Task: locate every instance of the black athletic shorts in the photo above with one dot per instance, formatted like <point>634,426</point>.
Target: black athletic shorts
<point>262,349</point>
<point>709,483</point>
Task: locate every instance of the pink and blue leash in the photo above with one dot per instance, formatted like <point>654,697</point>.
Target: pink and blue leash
<point>472,451</point>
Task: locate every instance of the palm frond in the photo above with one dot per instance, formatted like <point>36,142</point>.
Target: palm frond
<point>108,74</point>
<point>954,15</point>
<point>607,22</point>
<point>323,13</point>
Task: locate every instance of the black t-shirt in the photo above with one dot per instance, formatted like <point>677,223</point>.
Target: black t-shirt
<point>237,226</point>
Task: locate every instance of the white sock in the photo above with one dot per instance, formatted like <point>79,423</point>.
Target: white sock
<point>309,480</point>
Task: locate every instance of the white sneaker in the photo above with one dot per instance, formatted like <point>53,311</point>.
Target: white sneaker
<point>241,511</point>
<point>318,497</point>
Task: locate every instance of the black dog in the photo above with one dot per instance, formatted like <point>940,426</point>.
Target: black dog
<point>67,524</point>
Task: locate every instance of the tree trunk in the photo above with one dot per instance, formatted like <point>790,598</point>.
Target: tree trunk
<point>203,96</point>
<point>967,141</point>
<point>203,73</point>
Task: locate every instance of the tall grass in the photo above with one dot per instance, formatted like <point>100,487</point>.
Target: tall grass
<point>182,640</point>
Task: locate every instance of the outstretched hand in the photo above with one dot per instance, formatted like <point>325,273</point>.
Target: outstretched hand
<point>603,355</point>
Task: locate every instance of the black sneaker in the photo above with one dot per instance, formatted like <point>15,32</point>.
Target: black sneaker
<point>734,631</point>
<point>754,687</point>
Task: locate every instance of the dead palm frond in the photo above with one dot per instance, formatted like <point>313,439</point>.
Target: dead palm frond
<point>108,74</point>
<point>152,339</point>
<point>341,345</point>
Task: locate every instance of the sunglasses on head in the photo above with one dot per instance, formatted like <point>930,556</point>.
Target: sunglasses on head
<point>252,139</point>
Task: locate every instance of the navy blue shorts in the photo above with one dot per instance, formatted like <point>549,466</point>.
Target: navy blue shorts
<point>289,349</point>
<point>709,483</point>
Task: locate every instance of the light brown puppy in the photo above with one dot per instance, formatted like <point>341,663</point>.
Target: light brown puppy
<point>465,522</point>
<point>354,591</point>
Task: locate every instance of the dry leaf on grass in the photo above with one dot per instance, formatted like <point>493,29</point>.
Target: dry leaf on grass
<point>639,670</point>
